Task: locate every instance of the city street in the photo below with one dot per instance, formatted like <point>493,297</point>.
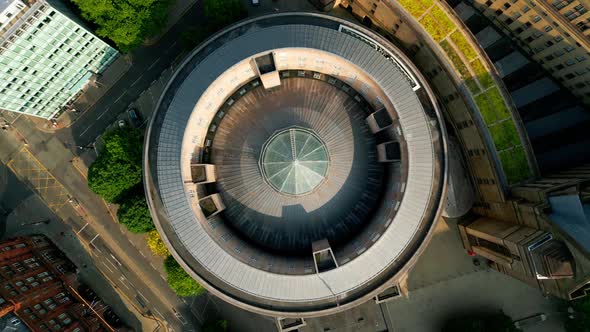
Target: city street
<point>42,161</point>
<point>148,64</point>
<point>44,164</point>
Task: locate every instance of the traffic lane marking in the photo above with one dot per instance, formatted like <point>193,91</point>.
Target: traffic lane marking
<point>81,229</point>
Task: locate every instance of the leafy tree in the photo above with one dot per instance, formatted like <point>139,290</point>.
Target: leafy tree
<point>118,166</point>
<point>581,321</point>
<point>135,215</point>
<point>480,322</point>
<point>180,282</point>
<point>126,22</point>
<point>156,245</point>
<point>221,13</point>
<point>215,325</point>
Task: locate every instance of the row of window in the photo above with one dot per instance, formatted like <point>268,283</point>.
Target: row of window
<point>41,309</point>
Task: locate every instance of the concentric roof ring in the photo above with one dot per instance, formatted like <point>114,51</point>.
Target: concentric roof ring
<point>194,95</point>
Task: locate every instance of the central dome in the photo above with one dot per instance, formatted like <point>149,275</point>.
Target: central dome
<point>296,164</point>
<point>294,161</point>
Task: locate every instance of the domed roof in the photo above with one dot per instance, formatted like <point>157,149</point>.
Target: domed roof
<point>295,164</point>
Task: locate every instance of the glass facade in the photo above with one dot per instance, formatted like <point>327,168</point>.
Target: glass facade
<point>294,161</point>
<point>45,59</point>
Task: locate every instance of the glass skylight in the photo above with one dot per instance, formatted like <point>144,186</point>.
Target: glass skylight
<point>294,161</point>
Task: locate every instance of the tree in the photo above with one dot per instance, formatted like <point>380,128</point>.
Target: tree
<point>480,322</point>
<point>135,215</point>
<point>156,245</point>
<point>126,22</point>
<point>118,167</point>
<point>180,282</point>
<point>221,13</point>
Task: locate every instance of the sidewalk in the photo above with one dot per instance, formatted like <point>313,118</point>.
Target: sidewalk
<point>139,241</point>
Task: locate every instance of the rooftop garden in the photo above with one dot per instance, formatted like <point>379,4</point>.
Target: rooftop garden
<point>486,94</point>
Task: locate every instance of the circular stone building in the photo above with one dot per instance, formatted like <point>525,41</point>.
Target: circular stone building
<point>296,164</point>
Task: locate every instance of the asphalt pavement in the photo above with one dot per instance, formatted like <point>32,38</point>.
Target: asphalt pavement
<point>148,64</point>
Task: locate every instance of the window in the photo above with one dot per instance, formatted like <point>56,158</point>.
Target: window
<point>548,28</point>
<point>570,62</point>
<point>558,38</point>
<point>536,19</point>
<point>569,48</point>
<point>525,9</point>
<point>580,58</point>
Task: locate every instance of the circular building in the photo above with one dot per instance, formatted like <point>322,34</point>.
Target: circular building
<point>296,164</point>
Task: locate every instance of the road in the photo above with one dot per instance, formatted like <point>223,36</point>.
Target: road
<point>148,64</point>
<point>98,229</point>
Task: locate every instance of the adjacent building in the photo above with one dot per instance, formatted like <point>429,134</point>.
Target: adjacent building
<point>555,33</point>
<point>38,289</point>
<point>46,57</point>
<point>537,230</point>
<point>541,236</point>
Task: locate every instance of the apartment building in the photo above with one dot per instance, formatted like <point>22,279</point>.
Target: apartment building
<point>46,57</point>
<point>542,236</point>
<point>555,33</point>
<point>39,287</point>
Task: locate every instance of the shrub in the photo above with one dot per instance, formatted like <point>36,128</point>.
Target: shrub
<point>118,166</point>
<point>156,245</point>
<point>180,282</point>
<point>126,23</point>
<point>135,215</point>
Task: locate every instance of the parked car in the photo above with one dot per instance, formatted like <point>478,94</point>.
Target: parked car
<point>121,123</point>
<point>135,117</point>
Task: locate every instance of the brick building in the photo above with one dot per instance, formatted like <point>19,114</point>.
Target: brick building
<point>39,286</point>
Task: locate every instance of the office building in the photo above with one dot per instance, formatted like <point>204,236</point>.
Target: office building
<point>46,57</point>
<point>553,32</point>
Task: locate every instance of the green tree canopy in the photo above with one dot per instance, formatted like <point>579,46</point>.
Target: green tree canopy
<point>126,22</point>
<point>135,215</point>
<point>221,13</point>
<point>480,322</point>
<point>118,166</point>
<point>180,282</point>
